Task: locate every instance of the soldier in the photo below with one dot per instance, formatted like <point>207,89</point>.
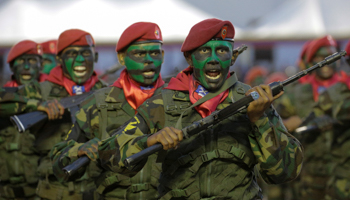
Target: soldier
<point>76,53</point>
<point>140,50</point>
<point>219,162</point>
<point>49,56</point>
<point>18,158</point>
<point>296,106</point>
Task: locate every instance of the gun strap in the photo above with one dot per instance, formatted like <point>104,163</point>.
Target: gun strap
<point>227,84</point>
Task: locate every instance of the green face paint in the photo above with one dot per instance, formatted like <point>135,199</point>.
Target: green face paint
<point>48,63</point>
<point>26,68</point>
<point>78,63</point>
<point>211,63</point>
<point>143,62</point>
<point>327,71</point>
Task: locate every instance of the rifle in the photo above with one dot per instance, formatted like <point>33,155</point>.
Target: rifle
<point>214,118</point>
<point>111,70</point>
<point>24,121</point>
<point>230,110</point>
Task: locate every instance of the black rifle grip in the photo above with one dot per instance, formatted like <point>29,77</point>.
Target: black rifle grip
<point>137,157</point>
<point>276,88</point>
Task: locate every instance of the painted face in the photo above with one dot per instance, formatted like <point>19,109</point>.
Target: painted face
<point>78,63</point>
<point>48,63</point>
<point>144,61</point>
<point>211,63</point>
<point>26,68</point>
<point>327,71</point>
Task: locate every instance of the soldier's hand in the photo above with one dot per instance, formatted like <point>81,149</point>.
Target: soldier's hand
<point>89,149</point>
<point>169,137</point>
<point>53,109</point>
<point>257,108</point>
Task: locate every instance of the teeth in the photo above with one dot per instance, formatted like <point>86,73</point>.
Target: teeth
<point>213,78</point>
<point>78,74</point>
<point>79,68</point>
<point>26,77</point>
<point>148,73</point>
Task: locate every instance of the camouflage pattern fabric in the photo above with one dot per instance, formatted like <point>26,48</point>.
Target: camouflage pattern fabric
<point>12,103</point>
<point>335,102</point>
<point>219,162</point>
<point>18,158</point>
<point>88,127</point>
<point>46,137</point>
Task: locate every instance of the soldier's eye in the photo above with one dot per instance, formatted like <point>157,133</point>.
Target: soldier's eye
<point>32,61</point>
<point>86,53</point>
<point>155,53</point>
<point>19,61</point>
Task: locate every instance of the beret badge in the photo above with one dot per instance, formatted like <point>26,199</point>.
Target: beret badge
<point>89,40</point>
<point>223,32</point>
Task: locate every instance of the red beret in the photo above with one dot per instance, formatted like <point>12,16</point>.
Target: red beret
<point>73,37</point>
<point>24,47</point>
<point>347,48</point>
<point>315,45</point>
<point>254,73</point>
<point>205,30</point>
<point>140,31</point>
<point>49,47</point>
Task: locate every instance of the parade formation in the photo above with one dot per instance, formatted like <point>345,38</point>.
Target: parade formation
<point>202,135</point>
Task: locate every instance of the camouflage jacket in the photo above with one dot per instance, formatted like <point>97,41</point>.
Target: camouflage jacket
<point>297,100</point>
<point>99,116</point>
<point>334,102</point>
<point>220,161</point>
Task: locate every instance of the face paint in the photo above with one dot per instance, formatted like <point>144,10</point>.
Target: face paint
<point>327,71</point>
<point>78,63</point>
<point>48,63</point>
<point>26,68</point>
<point>211,63</point>
<point>143,62</point>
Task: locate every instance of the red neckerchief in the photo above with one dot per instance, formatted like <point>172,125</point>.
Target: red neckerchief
<point>184,81</point>
<point>316,83</point>
<point>12,83</point>
<point>43,77</point>
<point>134,95</point>
<point>304,79</point>
<point>56,76</point>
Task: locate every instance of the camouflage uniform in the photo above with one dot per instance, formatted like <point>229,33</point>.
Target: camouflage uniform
<point>46,137</point>
<point>219,162</point>
<point>109,109</point>
<point>11,102</point>
<point>335,103</point>
<point>18,158</point>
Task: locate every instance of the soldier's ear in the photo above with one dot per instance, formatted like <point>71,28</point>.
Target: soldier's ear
<point>162,56</point>
<point>96,57</point>
<point>234,56</point>
<point>188,58</point>
<point>121,58</point>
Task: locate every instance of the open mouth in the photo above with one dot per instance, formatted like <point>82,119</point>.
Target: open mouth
<point>149,73</point>
<point>79,71</point>
<point>26,76</point>
<point>213,74</point>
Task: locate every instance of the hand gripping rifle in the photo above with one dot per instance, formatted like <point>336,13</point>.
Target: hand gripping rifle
<point>214,118</point>
<point>24,121</point>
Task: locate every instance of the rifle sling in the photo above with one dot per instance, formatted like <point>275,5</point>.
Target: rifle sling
<point>227,84</point>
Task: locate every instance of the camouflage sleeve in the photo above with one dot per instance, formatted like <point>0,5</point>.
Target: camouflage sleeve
<point>131,140</point>
<point>83,130</point>
<point>278,153</point>
<point>12,103</point>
